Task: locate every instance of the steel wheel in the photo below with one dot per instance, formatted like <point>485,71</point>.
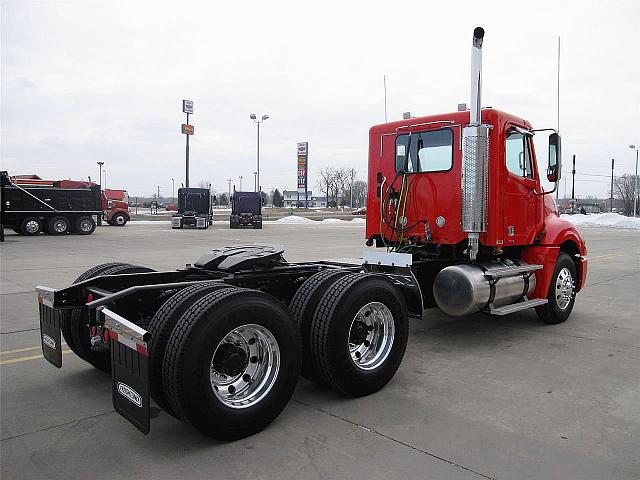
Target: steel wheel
<point>564,288</point>
<point>120,220</point>
<point>244,366</point>
<point>85,225</point>
<point>371,335</point>
<point>32,227</point>
<point>60,225</point>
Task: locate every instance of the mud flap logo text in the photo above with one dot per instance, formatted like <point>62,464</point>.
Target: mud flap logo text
<point>130,394</point>
<point>48,341</point>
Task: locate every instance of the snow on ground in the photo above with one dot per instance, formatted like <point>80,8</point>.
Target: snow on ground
<point>294,220</point>
<point>613,220</point>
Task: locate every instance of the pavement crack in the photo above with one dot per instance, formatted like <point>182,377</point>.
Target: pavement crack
<point>58,425</point>
<point>20,331</point>
<point>611,279</point>
<point>395,440</point>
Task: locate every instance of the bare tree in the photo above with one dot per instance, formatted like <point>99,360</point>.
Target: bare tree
<point>203,184</point>
<point>326,181</point>
<point>359,193</point>
<point>624,188</point>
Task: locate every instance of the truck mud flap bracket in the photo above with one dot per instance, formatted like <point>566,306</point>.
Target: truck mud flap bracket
<point>129,369</point>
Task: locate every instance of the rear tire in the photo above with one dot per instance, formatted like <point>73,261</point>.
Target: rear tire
<point>31,226</point>
<point>75,327</point>
<point>562,292</point>
<point>84,225</point>
<point>58,225</point>
<point>214,342</point>
<point>359,334</point>
<point>162,325</point>
<point>303,305</point>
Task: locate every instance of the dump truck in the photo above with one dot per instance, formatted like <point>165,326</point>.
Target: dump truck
<point>31,205</point>
<point>457,219</point>
<point>194,209</point>
<point>246,210</point>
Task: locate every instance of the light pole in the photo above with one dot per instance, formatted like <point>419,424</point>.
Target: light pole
<point>100,164</point>
<point>254,117</point>
<point>240,177</point>
<point>105,178</point>
<point>173,190</point>
<point>229,192</point>
<point>611,204</point>
<point>255,181</point>
<point>635,196</point>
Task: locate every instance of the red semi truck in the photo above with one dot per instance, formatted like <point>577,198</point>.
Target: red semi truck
<point>456,207</point>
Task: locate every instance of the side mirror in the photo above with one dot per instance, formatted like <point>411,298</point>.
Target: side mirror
<point>554,168</point>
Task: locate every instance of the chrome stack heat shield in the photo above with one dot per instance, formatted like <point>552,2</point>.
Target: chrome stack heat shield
<point>475,156</point>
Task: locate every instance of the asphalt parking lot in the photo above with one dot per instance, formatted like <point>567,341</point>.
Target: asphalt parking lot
<point>479,397</point>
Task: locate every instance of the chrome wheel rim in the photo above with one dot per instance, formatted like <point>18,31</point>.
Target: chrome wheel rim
<point>60,226</point>
<point>32,226</point>
<point>120,220</point>
<point>564,288</point>
<point>371,336</point>
<point>244,366</point>
<point>86,225</point>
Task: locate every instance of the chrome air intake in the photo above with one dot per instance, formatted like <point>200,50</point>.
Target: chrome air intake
<point>475,156</point>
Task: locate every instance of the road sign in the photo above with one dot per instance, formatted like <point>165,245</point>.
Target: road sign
<point>187,106</point>
<point>187,129</point>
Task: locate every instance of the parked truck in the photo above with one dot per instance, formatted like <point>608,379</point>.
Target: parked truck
<point>246,210</point>
<point>457,210</point>
<point>116,207</point>
<point>32,205</point>
<point>194,208</point>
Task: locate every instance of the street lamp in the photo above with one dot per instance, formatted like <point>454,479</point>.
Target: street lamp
<point>635,196</point>
<point>254,117</point>
<point>173,190</point>
<point>100,175</point>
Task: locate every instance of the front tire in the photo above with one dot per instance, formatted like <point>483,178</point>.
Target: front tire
<point>562,292</point>
<point>359,334</point>
<point>232,363</point>
<point>119,220</point>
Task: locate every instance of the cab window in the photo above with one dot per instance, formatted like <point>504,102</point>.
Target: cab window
<point>517,154</point>
<point>430,151</point>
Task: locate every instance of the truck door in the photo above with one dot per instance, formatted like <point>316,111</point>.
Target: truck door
<point>519,198</point>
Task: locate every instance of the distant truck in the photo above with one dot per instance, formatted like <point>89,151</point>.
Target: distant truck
<point>31,205</point>
<point>246,210</point>
<point>194,208</point>
<point>116,207</point>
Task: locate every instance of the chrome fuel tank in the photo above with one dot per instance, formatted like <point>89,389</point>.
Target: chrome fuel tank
<point>465,289</point>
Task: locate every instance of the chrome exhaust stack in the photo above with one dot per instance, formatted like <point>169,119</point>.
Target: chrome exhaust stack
<point>475,156</point>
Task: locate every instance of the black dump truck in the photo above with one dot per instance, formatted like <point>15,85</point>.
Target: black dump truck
<point>194,208</point>
<point>246,210</point>
<point>52,209</point>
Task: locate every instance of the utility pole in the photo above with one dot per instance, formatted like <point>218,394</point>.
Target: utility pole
<point>173,190</point>
<point>573,184</point>
<point>158,196</point>
<point>353,173</point>
<point>612,164</point>
<point>635,190</point>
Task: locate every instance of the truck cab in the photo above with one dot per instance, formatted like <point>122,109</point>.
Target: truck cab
<point>246,210</point>
<point>194,209</point>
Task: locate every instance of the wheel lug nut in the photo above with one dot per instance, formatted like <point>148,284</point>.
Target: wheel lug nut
<point>246,377</point>
<point>252,341</point>
<point>367,343</point>
<point>253,359</point>
<point>232,389</point>
<point>358,354</point>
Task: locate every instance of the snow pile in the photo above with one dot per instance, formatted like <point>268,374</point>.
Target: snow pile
<point>358,220</point>
<point>612,220</point>
<point>334,220</point>
<point>294,220</point>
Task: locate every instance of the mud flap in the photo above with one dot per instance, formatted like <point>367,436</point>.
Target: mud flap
<point>50,319</point>
<point>129,369</point>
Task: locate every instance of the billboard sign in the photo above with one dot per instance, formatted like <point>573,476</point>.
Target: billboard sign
<point>187,129</point>
<point>303,156</point>
<point>187,106</point>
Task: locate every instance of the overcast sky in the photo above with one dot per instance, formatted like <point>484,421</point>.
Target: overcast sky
<point>88,81</point>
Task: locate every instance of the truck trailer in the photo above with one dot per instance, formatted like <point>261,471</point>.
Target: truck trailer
<point>460,220</point>
<point>32,206</point>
